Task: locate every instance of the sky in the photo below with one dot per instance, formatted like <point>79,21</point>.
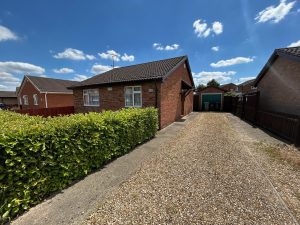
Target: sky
<point>229,41</point>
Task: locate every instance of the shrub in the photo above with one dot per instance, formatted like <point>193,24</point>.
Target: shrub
<point>39,156</point>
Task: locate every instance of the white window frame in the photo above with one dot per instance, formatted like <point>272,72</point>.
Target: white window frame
<point>35,99</point>
<point>20,100</point>
<point>134,92</point>
<point>25,99</point>
<point>85,92</point>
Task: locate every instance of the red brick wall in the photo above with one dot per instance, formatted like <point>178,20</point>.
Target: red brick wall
<point>171,100</point>
<point>280,87</point>
<point>53,100</point>
<point>115,99</point>
<point>29,90</point>
<point>168,97</point>
<point>60,100</point>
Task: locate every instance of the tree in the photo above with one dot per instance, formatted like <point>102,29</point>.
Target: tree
<point>200,87</point>
<point>213,83</point>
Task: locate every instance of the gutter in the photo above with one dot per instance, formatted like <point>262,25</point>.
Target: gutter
<point>46,101</point>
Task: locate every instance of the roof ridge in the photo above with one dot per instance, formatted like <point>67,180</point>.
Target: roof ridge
<point>118,68</point>
<point>150,62</point>
<point>27,75</point>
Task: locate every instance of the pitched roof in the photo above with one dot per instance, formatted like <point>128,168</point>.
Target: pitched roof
<point>45,84</point>
<point>8,94</point>
<point>247,82</point>
<point>144,71</point>
<point>292,53</point>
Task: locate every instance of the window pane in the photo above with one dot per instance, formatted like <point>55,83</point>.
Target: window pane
<point>128,100</point>
<point>137,88</point>
<point>128,90</point>
<point>137,99</point>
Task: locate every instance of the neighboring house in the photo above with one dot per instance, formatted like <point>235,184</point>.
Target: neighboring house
<point>165,84</point>
<point>231,87</point>
<point>8,98</point>
<point>211,99</point>
<point>246,87</point>
<point>279,82</point>
<point>42,92</point>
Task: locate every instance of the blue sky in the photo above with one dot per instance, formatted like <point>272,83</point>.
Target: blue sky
<point>227,40</point>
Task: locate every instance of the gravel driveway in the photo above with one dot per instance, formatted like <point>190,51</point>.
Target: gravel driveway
<point>206,175</point>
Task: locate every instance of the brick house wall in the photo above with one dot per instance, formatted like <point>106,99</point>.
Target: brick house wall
<point>9,101</point>
<point>53,100</point>
<point>247,88</point>
<point>115,99</point>
<point>229,87</point>
<point>60,100</point>
<point>171,99</point>
<point>29,90</point>
<point>168,101</point>
<point>280,87</point>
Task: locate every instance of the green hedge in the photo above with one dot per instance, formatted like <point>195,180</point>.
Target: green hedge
<point>39,156</point>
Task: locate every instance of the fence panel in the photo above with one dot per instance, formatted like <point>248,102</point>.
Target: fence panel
<point>284,125</point>
<point>45,112</point>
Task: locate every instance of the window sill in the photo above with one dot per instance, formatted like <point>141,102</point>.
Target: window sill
<point>133,106</point>
<point>92,105</point>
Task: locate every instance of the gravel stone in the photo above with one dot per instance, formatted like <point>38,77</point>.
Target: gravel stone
<point>206,175</point>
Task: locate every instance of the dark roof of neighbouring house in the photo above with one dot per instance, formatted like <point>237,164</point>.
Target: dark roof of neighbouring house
<point>140,72</point>
<point>218,88</point>
<point>247,82</point>
<point>8,94</point>
<point>45,84</point>
<point>292,53</point>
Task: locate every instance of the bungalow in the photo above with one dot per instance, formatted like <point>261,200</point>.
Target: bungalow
<point>42,92</point>
<point>8,98</point>
<point>279,82</point>
<point>165,84</point>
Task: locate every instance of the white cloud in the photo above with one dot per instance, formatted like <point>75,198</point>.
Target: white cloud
<point>63,70</point>
<point>215,48</point>
<point>98,68</point>
<point>233,61</point>
<point>6,34</point>
<point>205,76</point>
<point>243,79</point>
<point>8,81</point>
<point>273,13</point>
<point>295,44</point>
<point>20,67</point>
<point>113,55</point>
<point>73,54</point>
<point>217,27</point>
<point>129,58</point>
<point>110,54</point>
<point>80,77</point>
<point>160,47</point>
<point>203,30</point>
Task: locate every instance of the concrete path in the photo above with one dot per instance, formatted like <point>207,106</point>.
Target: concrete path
<point>206,175</point>
<point>75,203</point>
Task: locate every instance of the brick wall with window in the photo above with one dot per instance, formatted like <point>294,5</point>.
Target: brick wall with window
<point>30,91</point>
<point>140,94</point>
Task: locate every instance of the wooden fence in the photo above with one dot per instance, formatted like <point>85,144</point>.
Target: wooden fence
<point>45,112</point>
<point>284,125</point>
